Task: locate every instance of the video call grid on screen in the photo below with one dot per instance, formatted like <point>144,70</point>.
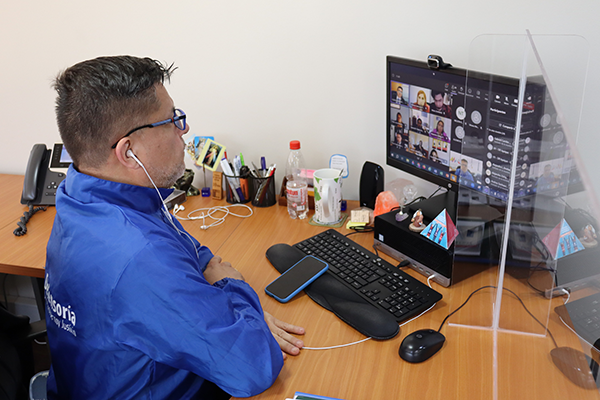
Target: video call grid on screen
<point>451,130</point>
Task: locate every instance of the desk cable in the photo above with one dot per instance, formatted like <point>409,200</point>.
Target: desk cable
<point>448,316</point>
<point>565,322</point>
<point>434,304</point>
<point>209,212</point>
<point>336,347</point>
<point>364,340</point>
<point>22,228</point>
<point>511,292</point>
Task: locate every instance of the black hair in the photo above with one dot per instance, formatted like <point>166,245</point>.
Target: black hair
<point>99,100</point>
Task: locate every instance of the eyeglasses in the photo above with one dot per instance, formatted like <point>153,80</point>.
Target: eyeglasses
<point>178,119</point>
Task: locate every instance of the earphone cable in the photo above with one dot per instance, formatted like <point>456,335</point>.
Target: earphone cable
<point>164,206</point>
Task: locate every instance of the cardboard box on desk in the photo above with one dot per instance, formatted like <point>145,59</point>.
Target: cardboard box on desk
<point>311,195</point>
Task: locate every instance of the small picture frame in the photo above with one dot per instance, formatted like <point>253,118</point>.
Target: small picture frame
<point>211,155</point>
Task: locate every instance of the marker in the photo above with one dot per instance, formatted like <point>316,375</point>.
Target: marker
<point>237,165</point>
<point>244,174</point>
<point>263,164</point>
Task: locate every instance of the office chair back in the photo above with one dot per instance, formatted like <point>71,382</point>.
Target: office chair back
<point>16,354</point>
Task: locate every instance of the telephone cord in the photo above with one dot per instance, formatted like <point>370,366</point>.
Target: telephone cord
<point>22,228</point>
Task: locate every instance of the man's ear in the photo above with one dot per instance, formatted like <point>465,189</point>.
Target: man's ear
<point>126,155</point>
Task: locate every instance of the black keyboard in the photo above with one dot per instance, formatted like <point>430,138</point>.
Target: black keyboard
<point>585,317</point>
<point>380,283</point>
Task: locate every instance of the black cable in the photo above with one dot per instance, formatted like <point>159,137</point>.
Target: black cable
<point>514,294</point>
<point>418,199</point>
<point>22,228</point>
<point>463,304</point>
<point>538,268</point>
<point>533,316</point>
<point>360,229</point>
<point>437,190</point>
<point>376,252</point>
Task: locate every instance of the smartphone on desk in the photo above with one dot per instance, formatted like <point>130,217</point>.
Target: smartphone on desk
<point>292,281</point>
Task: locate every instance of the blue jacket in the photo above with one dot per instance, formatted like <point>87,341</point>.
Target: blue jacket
<point>129,312</point>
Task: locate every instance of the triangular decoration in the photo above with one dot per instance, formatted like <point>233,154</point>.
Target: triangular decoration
<point>562,241</point>
<point>441,230</point>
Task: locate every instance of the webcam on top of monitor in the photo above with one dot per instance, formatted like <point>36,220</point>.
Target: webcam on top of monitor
<point>436,62</point>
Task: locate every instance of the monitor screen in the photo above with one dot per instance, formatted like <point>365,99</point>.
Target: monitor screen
<point>451,131</point>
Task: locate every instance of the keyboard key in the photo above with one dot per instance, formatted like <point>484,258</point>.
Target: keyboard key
<point>374,279</point>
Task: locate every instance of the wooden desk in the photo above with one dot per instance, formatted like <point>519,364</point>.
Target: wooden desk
<point>26,255</point>
<point>463,369</point>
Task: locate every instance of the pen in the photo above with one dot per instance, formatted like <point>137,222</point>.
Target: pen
<point>263,189</point>
<point>235,188</point>
<point>256,170</point>
<point>242,159</point>
<point>263,164</point>
<point>271,170</point>
<point>237,165</point>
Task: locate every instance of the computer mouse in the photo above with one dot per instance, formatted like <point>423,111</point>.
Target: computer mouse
<point>420,345</point>
<point>575,365</point>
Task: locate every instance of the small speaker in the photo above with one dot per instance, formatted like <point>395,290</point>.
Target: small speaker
<point>371,184</point>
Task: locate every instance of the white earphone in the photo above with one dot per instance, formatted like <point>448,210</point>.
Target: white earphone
<point>130,154</point>
<point>165,209</point>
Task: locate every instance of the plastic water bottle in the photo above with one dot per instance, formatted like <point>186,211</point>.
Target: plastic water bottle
<point>296,186</point>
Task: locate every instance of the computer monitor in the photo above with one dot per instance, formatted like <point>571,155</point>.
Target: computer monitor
<point>456,128</point>
<point>452,127</point>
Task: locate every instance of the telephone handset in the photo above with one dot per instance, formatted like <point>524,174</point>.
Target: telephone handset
<point>46,169</point>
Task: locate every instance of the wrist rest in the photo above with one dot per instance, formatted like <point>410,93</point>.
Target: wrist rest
<point>334,296</point>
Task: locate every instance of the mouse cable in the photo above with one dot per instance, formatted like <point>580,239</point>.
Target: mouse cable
<point>508,290</point>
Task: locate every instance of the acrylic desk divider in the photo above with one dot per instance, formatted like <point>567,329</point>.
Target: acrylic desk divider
<point>522,113</point>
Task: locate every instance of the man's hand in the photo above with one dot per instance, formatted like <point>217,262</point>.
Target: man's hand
<point>216,269</point>
<point>281,331</point>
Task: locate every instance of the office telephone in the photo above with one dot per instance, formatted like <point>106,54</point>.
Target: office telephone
<point>46,169</point>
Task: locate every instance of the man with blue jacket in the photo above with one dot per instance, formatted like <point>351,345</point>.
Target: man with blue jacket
<point>136,307</point>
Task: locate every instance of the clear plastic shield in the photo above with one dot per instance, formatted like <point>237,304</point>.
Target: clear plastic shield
<point>526,193</point>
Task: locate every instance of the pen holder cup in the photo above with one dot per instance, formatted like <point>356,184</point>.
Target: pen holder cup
<point>245,186</point>
<point>263,193</point>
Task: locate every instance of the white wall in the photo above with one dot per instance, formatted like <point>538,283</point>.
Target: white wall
<point>257,74</point>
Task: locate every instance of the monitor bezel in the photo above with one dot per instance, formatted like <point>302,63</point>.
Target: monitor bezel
<point>466,75</point>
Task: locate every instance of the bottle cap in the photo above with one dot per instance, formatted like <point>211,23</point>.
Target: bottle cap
<point>295,145</point>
